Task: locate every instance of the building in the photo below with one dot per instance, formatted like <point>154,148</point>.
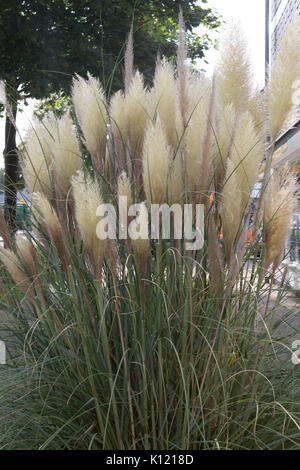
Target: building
<point>288,144</point>
<point>287,150</point>
<point>280,14</point>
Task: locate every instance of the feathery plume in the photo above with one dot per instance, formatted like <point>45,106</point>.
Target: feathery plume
<point>163,100</point>
<point>125,188</point>
<point>246,156</point>
<point>27,254</point>
<point>195,134</point>
<point>15,269</point>
<point>241,174</point>
<point>66,154</point>
<point>256,109</point>
<point>136,102</point>
<point>175,181</point>
<point>225,135</point>
<point>36,157</point>
<point>182,70</point>
<point>90,107</point>
<point>87,198</point>
<point>208,148</point>
<point>128,60</point>
<point>283,75</point>
<point>279,208</point>
<point>118,119</point>
<point>198,89</point>
<point>156,163</point>
<point>233,72</point>
<point>44,214</point>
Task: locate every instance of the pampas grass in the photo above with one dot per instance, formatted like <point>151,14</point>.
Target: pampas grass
<point>15,269</point>
<point>195,135</point>
<point>280,203</point>
<point>233,74</point>
<point>164,100</point>
<point>128,61</point>
<point>90,107</point>
<point>66,154</point>
<point>36,158</point>
<point>156,162</point>
<point>87,199</point>
<point>182,70</point>
<point>150,344</point>
<point>27,254</point>
<point>44,213</point>
<point>246,156</point>
<point>118,115</point>
<point>136,110</point>
<point>46,221</point>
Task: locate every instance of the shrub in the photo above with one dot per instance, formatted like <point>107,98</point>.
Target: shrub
<point>139,344</point>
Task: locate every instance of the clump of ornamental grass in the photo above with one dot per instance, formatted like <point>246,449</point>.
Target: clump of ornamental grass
<point>122,342</point>
<point>279,207</point>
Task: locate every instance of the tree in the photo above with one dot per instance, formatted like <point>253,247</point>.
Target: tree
<point>43,43</point>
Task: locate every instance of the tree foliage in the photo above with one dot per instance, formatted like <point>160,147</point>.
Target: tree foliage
<point>43,43</point>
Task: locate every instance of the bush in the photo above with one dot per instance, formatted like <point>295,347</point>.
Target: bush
<point>139,344</point>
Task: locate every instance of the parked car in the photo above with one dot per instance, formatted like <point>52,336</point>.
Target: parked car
<point>23,218</point>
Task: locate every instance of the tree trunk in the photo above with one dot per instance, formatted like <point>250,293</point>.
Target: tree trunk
<point>11,173</point>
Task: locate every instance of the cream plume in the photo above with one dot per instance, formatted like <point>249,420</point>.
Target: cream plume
<point>66,154</point>
<point>87,199</point>
<point>44,214</point>
<point>27,254</point>
<point>182,70</point>
<point>246,156</point>
<point>90,107</point>
<point>128,60</point>
<point>36,157</point>
<point>15,269</point>
<point>156,163</point>
<point>279,206</point>
<point>195,134</point>
<point>163,100</point>
<point>233,73</point>
<point>119,126</point>
<point>136,104</point>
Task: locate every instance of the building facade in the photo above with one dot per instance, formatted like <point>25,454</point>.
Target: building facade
<point>287,149</point>
<point>281,13</point>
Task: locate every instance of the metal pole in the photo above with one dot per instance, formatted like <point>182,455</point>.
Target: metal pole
<point>267,40</point>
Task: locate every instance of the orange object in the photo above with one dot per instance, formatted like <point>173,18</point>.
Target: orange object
<point>249,237</point>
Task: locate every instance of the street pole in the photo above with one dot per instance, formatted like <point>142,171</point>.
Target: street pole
<point>267,40</point>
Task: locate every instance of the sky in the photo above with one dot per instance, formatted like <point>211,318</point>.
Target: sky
<point>250,14</point>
